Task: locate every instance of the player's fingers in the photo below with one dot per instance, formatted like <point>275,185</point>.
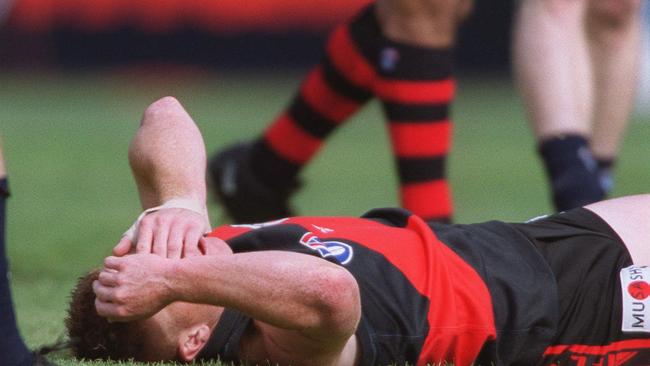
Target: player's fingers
<point>102,293</point>
<point>191,243</point>
<point>103,308</point>
<point>123,247</point>
<point>160,241</point>
<point>175,242</point>
<point>107,310</point>
<point>108,278</point>
<point>145,236</point>
<point>113,263</point>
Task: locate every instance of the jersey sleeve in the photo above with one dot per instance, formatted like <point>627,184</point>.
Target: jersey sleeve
<point>294,235</point>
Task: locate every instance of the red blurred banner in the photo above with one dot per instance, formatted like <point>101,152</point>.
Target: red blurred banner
<point>159,16</point>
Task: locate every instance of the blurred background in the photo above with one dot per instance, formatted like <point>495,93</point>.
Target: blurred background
<point>75,76</point>
<point>220,36</point>
<point>76,34</point>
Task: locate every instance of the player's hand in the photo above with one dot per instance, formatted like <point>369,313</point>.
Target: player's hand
<point>214,246</point>
<point>170,232</point>
<point>133,287</point>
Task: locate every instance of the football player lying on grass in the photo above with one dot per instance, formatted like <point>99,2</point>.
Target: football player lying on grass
<point>386,288</point>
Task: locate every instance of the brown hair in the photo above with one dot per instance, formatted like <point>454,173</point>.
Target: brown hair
<point>92,336</point>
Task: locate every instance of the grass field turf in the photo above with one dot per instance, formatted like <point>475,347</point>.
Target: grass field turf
<point>66,140</point>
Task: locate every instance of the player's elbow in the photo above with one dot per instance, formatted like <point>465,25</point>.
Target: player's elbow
<point>157,111</point>
<point>339,302</point>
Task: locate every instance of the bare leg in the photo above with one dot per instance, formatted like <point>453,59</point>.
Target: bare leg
<point>630,218</point>
<point>553,70</point>
<point>427,23</point>
<point>552,67</point>
<point>614,29</point>
<point>576,64</point>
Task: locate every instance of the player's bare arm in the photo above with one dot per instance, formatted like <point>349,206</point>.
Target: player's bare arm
<point>311,306</point>
<point>306,309</point>
<point>167,158</point>
<point>167,155</point>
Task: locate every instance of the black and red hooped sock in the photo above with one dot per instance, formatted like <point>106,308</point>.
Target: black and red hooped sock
<point>332,92</point>
<point>416,87</point>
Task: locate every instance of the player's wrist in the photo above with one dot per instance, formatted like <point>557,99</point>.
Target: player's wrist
<point>194,279</point>
<point>186,203</point>
<point>174,280</point>
<point>181,279</point>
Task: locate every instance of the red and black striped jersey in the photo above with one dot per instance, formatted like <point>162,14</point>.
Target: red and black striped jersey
<point>460,293</point>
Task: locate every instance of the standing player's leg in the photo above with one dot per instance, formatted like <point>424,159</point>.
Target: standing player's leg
<point>416,87</point>
<point>614,29</point>
<point>12,348</point>
<point>576,63</point>
<point>554,73</point>
<point>254,181</point>
<point>399,51</point>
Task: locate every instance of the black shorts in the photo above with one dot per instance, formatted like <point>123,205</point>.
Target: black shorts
<point>586,256</point>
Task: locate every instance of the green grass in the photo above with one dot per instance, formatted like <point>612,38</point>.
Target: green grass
<point>66,139</point>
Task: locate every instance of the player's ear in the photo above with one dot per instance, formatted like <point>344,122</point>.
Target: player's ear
<point>192,340</point>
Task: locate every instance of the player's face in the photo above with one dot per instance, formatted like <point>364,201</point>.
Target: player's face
<point>166,330</point>
<point>157,344</point>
